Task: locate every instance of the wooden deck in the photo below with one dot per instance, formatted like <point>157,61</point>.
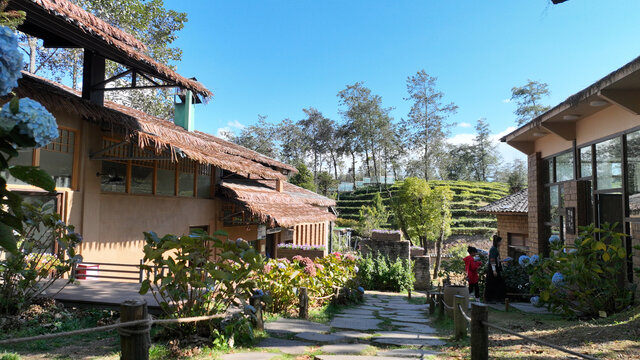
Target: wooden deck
<point>100,293</point>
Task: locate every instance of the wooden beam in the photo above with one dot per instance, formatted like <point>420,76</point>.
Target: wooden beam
<point>526,147</point>
<point>93,73</point>
<point>566,130</point>
<point>629,99</point>
<point>101,84</point>
<point>93,155</point>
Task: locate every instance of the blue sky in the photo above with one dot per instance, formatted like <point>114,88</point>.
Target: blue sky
<point>277,57</point>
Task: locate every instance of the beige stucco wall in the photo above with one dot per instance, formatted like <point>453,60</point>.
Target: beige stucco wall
<point>551,144</point>
<point>609,121</point>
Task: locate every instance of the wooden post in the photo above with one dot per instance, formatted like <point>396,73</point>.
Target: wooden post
<point>440,300</point>
<point>459,322</point>
<point>479,332</point>
<point>506,304</point>
<point>134,340</point>
<point>432,303</point>
<point>304,304</point>
<point>256,302</point>
<point>409,294</point>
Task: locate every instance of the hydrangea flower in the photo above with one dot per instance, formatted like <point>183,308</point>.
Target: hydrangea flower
<point>524,260</point>
<point>535,300</point>
<point>554,239</point>
<point>258,292</point>
<point>32,120</point>
<point>281,266</point>
<point>534,259</point>
<point>557,279</point>
<point>356,269</point>
<point>361,289</point>
<point>10,61</point>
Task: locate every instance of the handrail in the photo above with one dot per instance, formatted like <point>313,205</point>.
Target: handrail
<point>464,315</point>
<point>446,306</point>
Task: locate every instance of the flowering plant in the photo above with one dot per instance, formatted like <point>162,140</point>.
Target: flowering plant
<point>301,247</point>
<point>583,278</point>
<point>10,61</point>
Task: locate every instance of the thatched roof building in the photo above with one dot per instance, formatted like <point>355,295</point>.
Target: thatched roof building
<point>61,23</point>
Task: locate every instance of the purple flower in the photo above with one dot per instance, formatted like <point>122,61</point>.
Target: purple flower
<point>557,279</point>
<point>281,266</point>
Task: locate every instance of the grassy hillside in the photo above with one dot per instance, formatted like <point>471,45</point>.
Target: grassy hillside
<point>468,196</point>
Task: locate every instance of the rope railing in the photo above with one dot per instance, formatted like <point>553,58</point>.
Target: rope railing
<point>464,315</point>
<point>148,322</point>
<point>538,341</point>
<point>446,306</point>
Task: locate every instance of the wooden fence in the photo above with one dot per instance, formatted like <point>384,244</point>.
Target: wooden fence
<point>478,326</point>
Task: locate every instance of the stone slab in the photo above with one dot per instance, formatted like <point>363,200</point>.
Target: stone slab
<point>357,312</point>
<point>249,356</point>
<point>368,307</point>
<point>406,339</point>
<point>357,357</point>
<point>529,308</point>
<point>355,317</point>
<point>414,328</point>
<point>294,326</point>
<point>291,347</point>
<point>352,334</point>
<point>319,337</point>
<point>355,324</point>
<point>410,319</point>
<point>412,353</point>
<point>344,348</point>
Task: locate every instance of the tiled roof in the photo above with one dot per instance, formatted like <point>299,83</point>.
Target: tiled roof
<point>517,203</point>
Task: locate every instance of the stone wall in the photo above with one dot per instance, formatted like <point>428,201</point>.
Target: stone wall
<point>514,224</point>
<point>421,270</point>
<point>536,208</point>
<point>392,249</point>
<point>574,196</point>
<point>290,253</point>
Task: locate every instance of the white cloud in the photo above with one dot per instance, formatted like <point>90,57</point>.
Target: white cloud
<point>232,126</point>
<point>507,152</point>
<point>506,101</point>
<point>464,125</point>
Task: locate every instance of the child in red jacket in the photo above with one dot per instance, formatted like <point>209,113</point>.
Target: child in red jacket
<point>471,265</point>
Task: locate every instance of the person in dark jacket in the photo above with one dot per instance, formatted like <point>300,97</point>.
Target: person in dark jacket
<point>471,265</point>
<point>494,289</point>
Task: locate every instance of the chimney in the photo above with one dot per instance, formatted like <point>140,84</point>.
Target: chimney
<point>184,111</point>
<point>279,185</point>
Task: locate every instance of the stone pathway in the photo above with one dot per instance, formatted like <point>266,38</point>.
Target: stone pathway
<point>385,326</point>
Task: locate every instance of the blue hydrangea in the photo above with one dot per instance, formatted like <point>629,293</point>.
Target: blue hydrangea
<point>361,289</point>
<point>554,239</point>
<point>258,292</point>
<point>557,279</point>
<point>535,300</point>
<point>32,120</point>
<point>534,259</point>
<point>524,260</point>
<point>10,61</point>
<point>281,266</point>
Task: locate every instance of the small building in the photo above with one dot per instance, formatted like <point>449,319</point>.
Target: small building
<point>584,163</point>
<point>120,172</point>
<point>513,223</point>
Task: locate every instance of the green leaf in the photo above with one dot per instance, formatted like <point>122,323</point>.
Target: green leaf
<point>7,240</point>
<point>14,106</point>
<point>144,287</point>
<point>34,176</point>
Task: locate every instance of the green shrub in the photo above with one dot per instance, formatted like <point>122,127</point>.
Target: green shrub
<point>381,273</point>
<point>586,277</point>
<point>349,223</point>
<point>10,356</point>
<point>516,278</point>
<point>27,273</point>
<point>195,285</point>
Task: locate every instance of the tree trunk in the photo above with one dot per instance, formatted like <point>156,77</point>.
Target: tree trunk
<point>76,70</point>
<point>353,168</point>
<point>439,246</point>
<point>33,44</point>
<point>366,159</point>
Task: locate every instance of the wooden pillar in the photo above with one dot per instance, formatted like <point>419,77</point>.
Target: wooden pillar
<point>479,332</point>
<point>459,322</point>
<point>440,300</point>
<point>93,71</point>
<point>432,303</point>
<point>135,340</point>
<point>256,302</point>
<point>304,304</point>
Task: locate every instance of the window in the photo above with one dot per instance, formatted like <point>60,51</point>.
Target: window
<point>166,178</point>
<point>204,181</point>
<point>142,177</point>
<point>609,164</point>
<point>585,162</point>
<point>113,176</point>
<point>633,173</point>
<point>564,167</point>
<point>186,174</point>
<point>517,245</point>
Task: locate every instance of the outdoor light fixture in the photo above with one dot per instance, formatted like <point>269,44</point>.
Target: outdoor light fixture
<point>539,134</point>
<point>571,117</point>
<point>598,103</point>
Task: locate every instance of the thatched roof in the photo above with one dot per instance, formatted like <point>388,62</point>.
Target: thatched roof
<point>514,204</point>
<point>65,24</point>
<point>291,207</point>
<point>150,130</point>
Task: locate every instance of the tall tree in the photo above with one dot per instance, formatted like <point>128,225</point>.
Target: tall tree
<point>317,131</point>
<point>415,211</point>
<point>514,174</point>
<point>461,162</point>
<point>325,182</point>
<point>304,178</point>
<point>147,20</point>
<point>292,143</point>
<point>485,150</point>
<point>260,137</point>
<point>528,98</point>
<point>351,146</point>
<point>441,196</point>
<point>426,125</point>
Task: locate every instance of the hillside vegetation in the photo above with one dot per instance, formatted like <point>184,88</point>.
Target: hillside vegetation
<point>469,196</point>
